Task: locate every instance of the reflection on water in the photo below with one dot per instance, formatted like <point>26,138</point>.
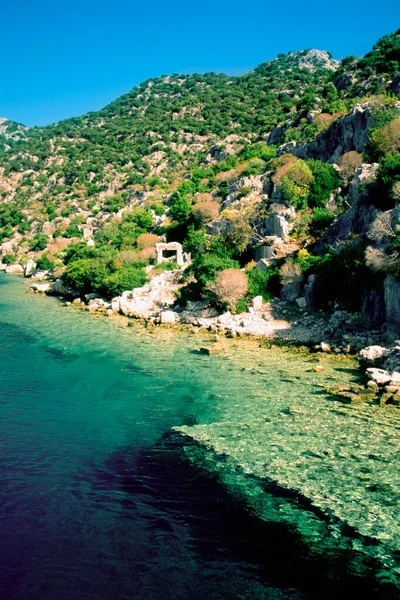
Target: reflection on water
<point>100,501</point>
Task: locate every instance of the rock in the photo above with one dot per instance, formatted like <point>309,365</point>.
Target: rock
<point>29,268</point>
<point>325,347</point>
<point>290,291</point>
<point>41,288</point>
<point>15,269</point>
<point>211,350</point>
<point>168,317</point>
<point>257,303</point>
<point>317,368</point>
<point>58,288</point>
<point>379,375</point>
<point>372,355</point>
<point>392,300</point>
<point>301,302</point>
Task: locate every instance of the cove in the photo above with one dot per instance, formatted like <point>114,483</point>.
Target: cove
<point>132,466</point>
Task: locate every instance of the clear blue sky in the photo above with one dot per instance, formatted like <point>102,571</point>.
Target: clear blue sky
<point>62,58</point>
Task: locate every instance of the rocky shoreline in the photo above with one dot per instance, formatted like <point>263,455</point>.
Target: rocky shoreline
<point>278,322</point>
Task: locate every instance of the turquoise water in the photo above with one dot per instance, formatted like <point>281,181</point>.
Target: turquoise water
<point>130,467</point>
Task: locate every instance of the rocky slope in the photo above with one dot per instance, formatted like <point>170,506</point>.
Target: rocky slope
<point>290,173</point>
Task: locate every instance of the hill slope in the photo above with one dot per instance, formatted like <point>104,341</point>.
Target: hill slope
<point>300,149</point>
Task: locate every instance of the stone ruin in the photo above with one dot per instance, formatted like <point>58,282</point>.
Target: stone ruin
<point>171,251</point>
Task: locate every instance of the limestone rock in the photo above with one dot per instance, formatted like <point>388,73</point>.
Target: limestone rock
<point>41,288</point>
<point>29,268</point>
<point>15,269</point>
<point>380,376</point>
<point>257,303</point>
<point>372,355</point>
<point>168,317</point>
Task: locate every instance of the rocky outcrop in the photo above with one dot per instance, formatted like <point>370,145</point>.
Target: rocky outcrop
<point>347,133</point>
<point>392,301</point>
<point>148,300</point>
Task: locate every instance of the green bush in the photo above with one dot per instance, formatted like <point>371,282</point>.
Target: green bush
<point>9,259</point>
<point>114,203</point>
<point>123,279</point>
<point>321,219</point>
<point>38,242</point>
<point>325,180</point>
<point>205,266</point>
<point>180,208</point>
<point>87,275</point>
<point>296,184</point>
<point>258,282</point>
<point>43,262</point>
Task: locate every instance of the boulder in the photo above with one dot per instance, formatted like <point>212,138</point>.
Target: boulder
<point>15,269</point>
<point>167,317</point>
<point>372,355</point>
<point>290,291</point>
<point>301,302</point>
<point>41,288</point>
<point>257,303</point>
<point>380,376</point>
<point>29,268</point>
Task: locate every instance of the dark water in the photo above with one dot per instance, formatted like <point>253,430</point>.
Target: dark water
<point>98,497</point>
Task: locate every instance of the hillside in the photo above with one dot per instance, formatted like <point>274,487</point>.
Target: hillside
<point>291,172</point>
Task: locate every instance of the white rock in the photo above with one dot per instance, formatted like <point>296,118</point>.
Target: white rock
<point>257,303</point>
<point>167,317</point>
<point>379,376</point>
<point>29,268</point>
<point>325,347</point>
<point>372,353</point>
<point>41,288</point>
<point>15,269</point>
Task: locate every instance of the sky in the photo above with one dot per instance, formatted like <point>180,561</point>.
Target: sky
<point>62,58</point>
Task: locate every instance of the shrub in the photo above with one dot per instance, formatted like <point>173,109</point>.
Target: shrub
<point>325,180</point>
<point>195,241</point>
<point>323,120</point>
<point>321,219</point>
<point>44,262</point>
<point>180,208</point>
<point>203,212</point>
<point>386,139</point>
<point>114,203</point>
<point>205,266</point>
<point>124,279</point>
<point>225,176</point>
<point>203,197</point>
<point>258,282</point>
<point>380,261</point>
<point>349,163</point>
<point>229,287</point>
<point>147,255</point>
<point>295,194</point>
<point>258,150</point>
<point>281,166</point>
<point>87,274</point>
<point>147,240</point>
<point>255,166</point>
<point>290,272</point>
<point>9,259</point>
<point>39,242</point>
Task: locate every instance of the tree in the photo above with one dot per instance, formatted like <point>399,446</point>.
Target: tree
<point>229,287</point>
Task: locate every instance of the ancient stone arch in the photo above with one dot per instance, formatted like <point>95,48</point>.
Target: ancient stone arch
<point>172,247</point>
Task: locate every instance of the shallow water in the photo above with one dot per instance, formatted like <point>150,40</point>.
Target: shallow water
<point>101,499</point>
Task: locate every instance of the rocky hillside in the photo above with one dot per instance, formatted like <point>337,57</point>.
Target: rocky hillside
<point>289,175</point>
